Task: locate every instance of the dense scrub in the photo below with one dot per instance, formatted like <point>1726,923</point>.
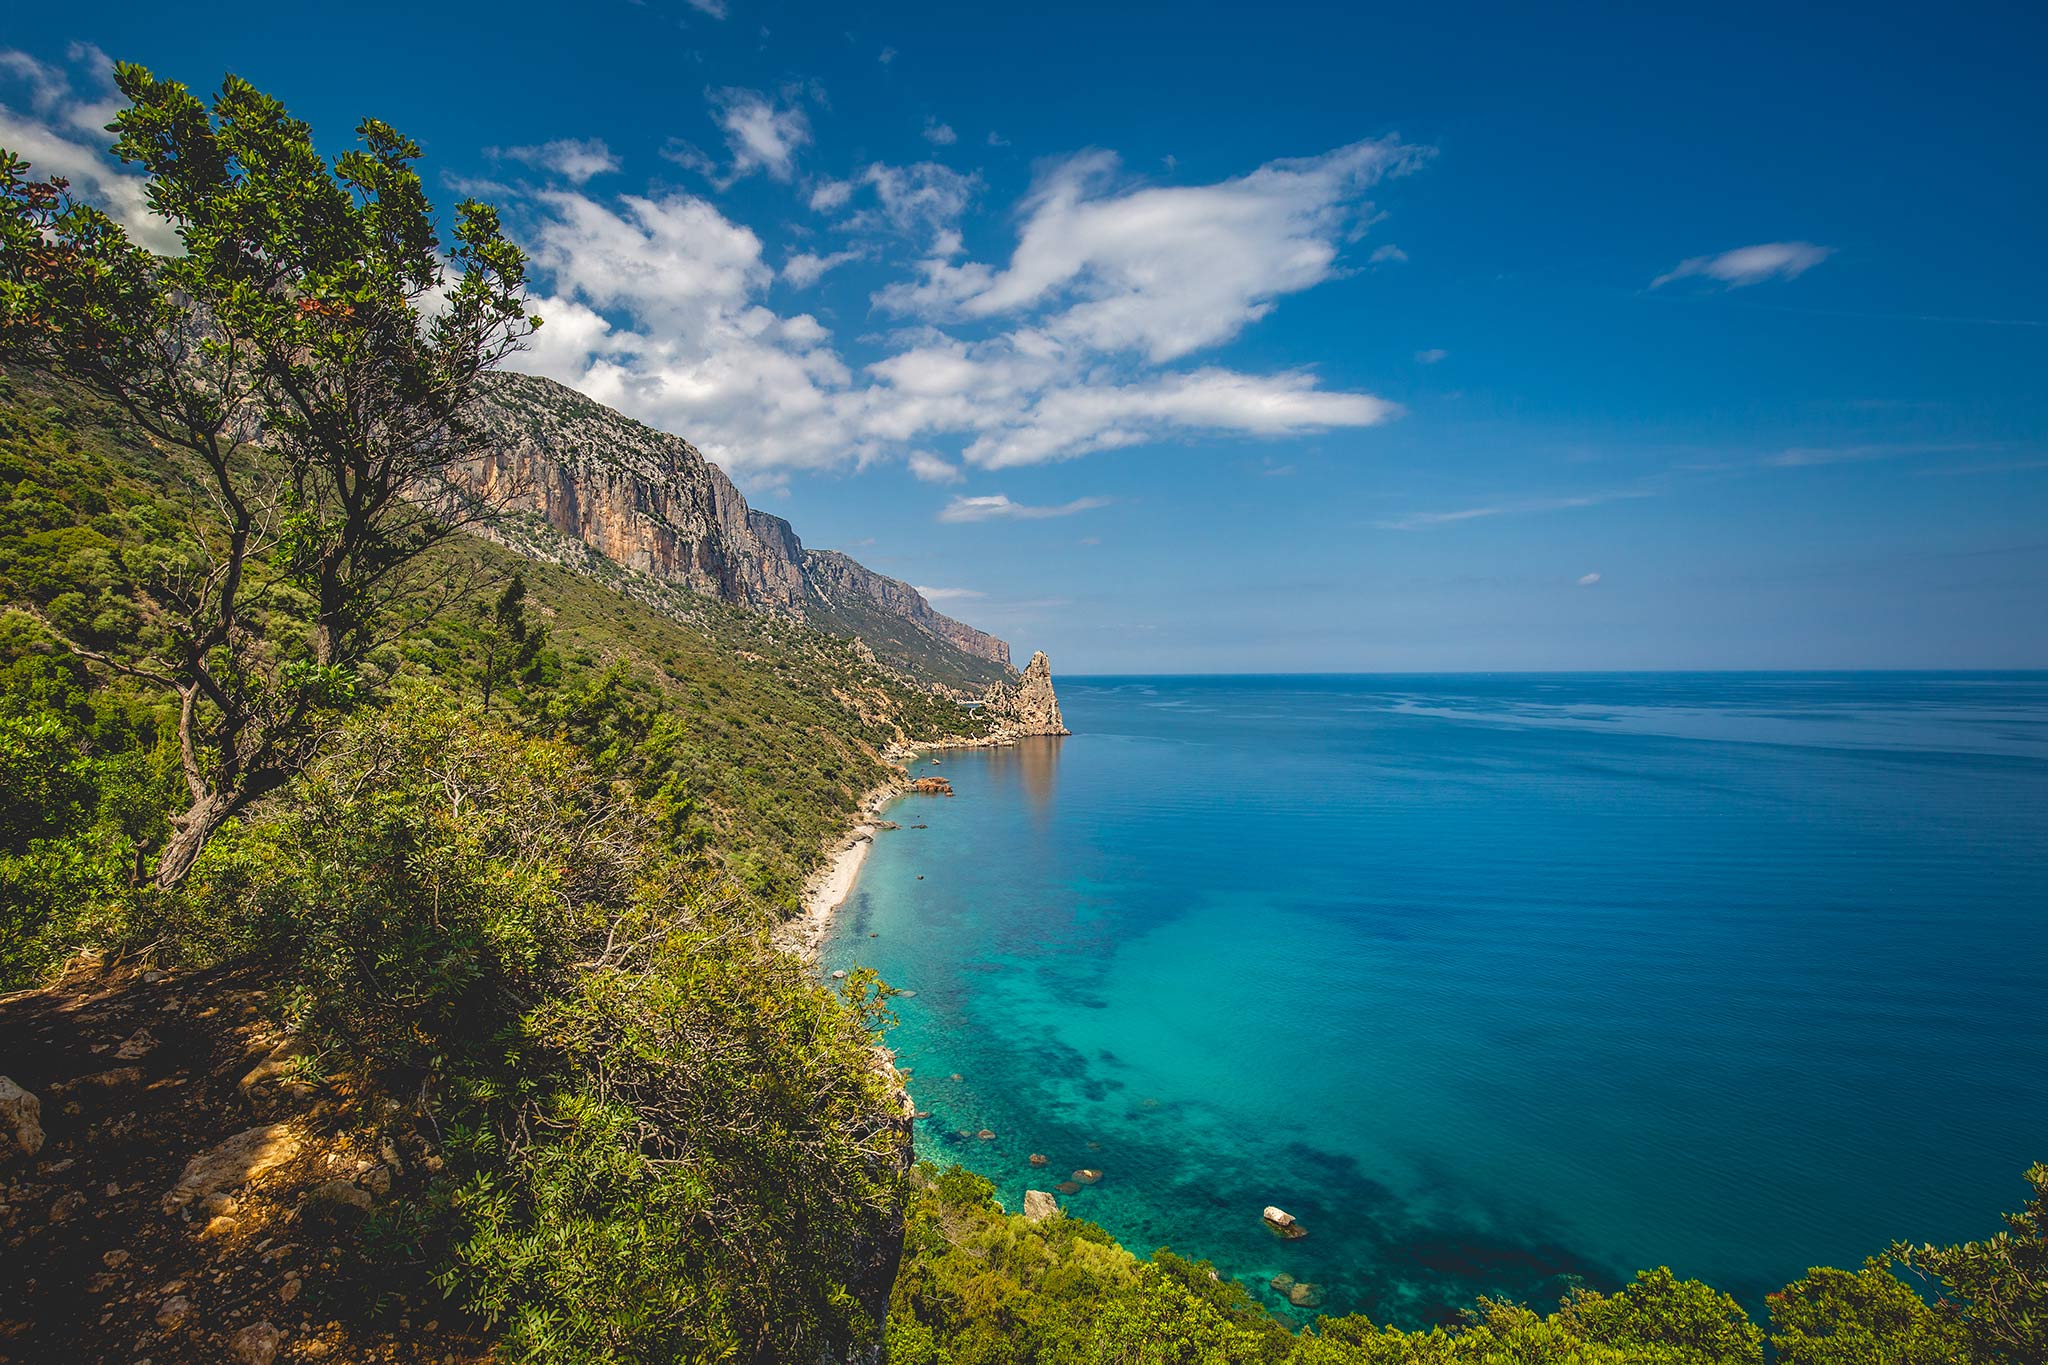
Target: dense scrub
<point>536,936</point>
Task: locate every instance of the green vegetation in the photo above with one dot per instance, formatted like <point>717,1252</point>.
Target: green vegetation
<point>979,1286</point>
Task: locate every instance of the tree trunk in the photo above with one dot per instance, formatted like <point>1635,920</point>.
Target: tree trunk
<point>189,833</point>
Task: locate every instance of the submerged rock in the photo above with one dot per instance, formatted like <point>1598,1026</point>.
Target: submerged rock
<point>1087,1177</point>
<point>1038,1158</point>
<point>1305,1295</point>
<point>1067,1187</point>
<point>1282,1282</point>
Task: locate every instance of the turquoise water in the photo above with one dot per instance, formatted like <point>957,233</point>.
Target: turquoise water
<point>1492,981</point>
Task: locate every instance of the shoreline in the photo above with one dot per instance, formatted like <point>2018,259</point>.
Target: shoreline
<point>830,885</point>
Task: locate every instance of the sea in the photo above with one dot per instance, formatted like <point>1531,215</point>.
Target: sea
<point>1500,984</point>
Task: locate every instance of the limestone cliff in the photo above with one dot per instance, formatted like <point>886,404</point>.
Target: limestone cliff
<point>567,477</point>
<point>1028,706</point>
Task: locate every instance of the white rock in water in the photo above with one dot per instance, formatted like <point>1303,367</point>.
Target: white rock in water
<point>1278,1217</point>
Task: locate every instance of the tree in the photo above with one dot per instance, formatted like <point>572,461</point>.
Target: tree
<point>511,646</point>
<point>313,357</point>
<point>1995,1291</point>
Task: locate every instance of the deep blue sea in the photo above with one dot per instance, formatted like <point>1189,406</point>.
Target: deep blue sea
<point>1492,980</point>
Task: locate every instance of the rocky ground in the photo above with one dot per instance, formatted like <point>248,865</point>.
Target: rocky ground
<point>192,1198</point>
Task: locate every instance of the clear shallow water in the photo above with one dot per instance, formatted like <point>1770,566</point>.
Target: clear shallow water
<point>1491,980</point>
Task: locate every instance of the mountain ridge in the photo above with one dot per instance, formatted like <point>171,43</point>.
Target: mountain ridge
<point>567,478</point>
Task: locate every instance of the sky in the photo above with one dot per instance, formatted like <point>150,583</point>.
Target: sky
<point>1262,339</point>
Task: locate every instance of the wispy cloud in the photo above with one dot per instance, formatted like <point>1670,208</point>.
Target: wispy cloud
<point>573,159</point>
<point>933,468</point>
<point>1434,355</point>
<point>1387,255</point>
<point>1423,521</point>
<point>1747,265</point>
<point>949,594</point>
<point>939,134</point>
<point>1798,457</point>
<point>998,507</point>
<point>1587,580</point>
<point>763,133</point>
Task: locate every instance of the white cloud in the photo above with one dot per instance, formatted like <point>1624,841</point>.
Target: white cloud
<point>1587,580</point>
<point>998,507</point>
<point>657,305</point>
<point>887,55</point>
<point>828,195</point>
<point>949,594</point>
<point>714,8</point>
<point>1074,420</point>
<point>939,134</point>
<point>63,133</point>
<point>1163,271</point>
<point>762,132</point>
<point>806,268</point>
<point>1434,355</point>
<point>1750,264</point>
<point>933,468</point>
<point>996,139</point>
<point>1388,254</point>
<point>575,160</point>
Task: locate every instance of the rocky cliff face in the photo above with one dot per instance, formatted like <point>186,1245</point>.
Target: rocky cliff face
<point>567,475</point>
<point>1028,706</point>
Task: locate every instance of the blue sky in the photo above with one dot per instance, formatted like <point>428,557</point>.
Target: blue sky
<point>1276,338</point>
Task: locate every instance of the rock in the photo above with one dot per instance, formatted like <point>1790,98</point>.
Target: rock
<point>932,786</point>
<point>985,1134</point>
<point>176,1313</point>
<point>1039,1206</point>
<point>1282,1282</point>
<point>115,1259</point>
<point>110,1079</point>
<point>289,1290</point>
<point>339,1194</point>
<point>233,1163</point>
<point>954,1077</point>
<point>1305,1295</point>
<point>1087,1177</point>
<point>139,1045</point>
<point>218,1227</point>
<point>216,1204</point>
<point>587,476</point>
<point>839,976</point>
<point>1029,707</point>
<point>277,1064</point>
<point>66,1205</point>
<point>1067,1187</point>
<point>21,1121</point>
<point>377,1180</point>
<point>255,1344</point>
<point>1038,1158</point>
<point>1283,1222</point>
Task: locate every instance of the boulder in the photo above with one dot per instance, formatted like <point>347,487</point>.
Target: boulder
<point>256,1344</point>
<point>1282,1222</point>
<point>1087,1177</point>
<point>1067,1187</point>
<point>1305,1295</point>
<point>1039,1206</point>
<point>339,1194</point>
<point>1282,1282</point>
<point>176,1313</point>
<point>233,1163</point>
<point>1038,1158</point>
<point>21,1121</point>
